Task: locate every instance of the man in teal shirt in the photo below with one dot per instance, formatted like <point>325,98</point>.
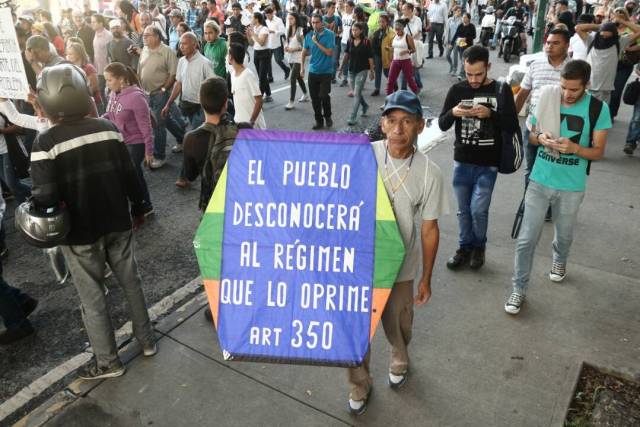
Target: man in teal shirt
<point>216,48</point>
<point>559,174</point>
<point>319,44</point>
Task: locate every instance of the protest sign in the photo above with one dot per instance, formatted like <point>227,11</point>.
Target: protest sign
<point>298,248</point>
<point>13,79</point>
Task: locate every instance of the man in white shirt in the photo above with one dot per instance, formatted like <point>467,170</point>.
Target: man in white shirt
<point>437,17</point>
<point>101,41</point>
<point>247,97</point>
<point>347,21</point>
<point>414,30</point>
<point>276,31</point>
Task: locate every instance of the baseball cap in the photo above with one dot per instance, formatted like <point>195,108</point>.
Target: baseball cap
<point>403,100</point>
<point>114,23</point>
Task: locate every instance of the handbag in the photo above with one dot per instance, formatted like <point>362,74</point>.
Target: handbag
<point>631,92</point>
<point>417,57</point>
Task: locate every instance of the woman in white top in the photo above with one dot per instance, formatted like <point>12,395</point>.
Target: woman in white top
<point>258,36</point>
<point>293,51</point>
<point>403,47</point>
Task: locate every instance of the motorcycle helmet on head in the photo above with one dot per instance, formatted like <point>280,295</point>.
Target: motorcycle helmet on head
<point>43,228</point>
<point>63,92</point>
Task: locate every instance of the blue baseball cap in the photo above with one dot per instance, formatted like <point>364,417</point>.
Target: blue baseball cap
<point>404,100</point>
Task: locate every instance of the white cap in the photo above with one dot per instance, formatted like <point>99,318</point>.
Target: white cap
<point>114,23</point>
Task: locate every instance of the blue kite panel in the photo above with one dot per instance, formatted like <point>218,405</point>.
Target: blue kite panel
<point>296,282</point>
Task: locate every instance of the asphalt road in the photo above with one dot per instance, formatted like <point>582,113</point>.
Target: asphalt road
<point>163,245</point>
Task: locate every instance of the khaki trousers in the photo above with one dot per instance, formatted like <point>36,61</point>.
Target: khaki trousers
<point>397,320</point>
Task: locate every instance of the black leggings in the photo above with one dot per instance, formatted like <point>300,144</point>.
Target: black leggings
<point>296,77</point>
<point>262,59</point>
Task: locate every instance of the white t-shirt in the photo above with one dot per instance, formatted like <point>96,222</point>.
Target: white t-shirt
<point>347,23</point>
<point>244,89</point>
<point>414,28</point>
<point>277,26</point>
<point>294,43</point>
<point>578,47</point>
<point>260,32</point>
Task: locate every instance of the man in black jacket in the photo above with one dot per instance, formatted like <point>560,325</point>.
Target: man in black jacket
<point>472,105</point>
<point>83,164</point>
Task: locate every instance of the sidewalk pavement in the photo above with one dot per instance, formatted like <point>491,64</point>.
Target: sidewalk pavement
<point>472,364</point>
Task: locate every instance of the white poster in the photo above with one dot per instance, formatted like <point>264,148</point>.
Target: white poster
<point>13,79</point>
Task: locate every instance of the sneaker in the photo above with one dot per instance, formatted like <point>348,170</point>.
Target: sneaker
<point>16,333</point>
<point>397,381</point>
<point>182,183</point>
<point>351,122</point>
<point>460,258</point>
<point>289,106</point>
<point>382,107</point>
<point>148,211</point>
<point>344,83</point>
<point>350,94</point>
<point>329,123</point>
<point>176,148</point>
<point>150,349</point>
<point>317,126</point>
<point>365,109</point>
<point>513,304</point>
<point>92,371</point>
<point>359,407</point>
<point>629,149</point>
<point>286,74</point>
<point>558,272</point>
<point>268,98</point>
<point>477,258</point>
<point>156,163</point>
<point>304,98</point>
<point>334,81</point>
<point>375,93</point>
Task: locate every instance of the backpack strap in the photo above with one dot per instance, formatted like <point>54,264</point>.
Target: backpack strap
<point>595,108</point>
<point>499,94</point>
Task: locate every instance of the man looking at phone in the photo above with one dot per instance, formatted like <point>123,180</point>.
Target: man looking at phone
<point>472,106</point>
<point>566,141</point>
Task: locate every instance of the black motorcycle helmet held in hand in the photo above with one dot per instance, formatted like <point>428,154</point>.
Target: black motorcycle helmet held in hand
<point>63,92</point>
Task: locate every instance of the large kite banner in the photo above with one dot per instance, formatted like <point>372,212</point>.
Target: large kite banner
<point>298,248</point>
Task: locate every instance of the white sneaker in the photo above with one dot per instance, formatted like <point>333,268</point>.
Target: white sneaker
<point>513,304</point>
<point>157,163</point>
<point>289,106</point>
<point>304,98</point>
<point>558,272</point>
<point>177,148</point>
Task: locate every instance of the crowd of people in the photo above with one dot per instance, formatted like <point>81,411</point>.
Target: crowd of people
<point>155,69</point>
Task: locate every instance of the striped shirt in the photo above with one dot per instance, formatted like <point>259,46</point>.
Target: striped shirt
<point>85,165</point>
<point>540,73</point>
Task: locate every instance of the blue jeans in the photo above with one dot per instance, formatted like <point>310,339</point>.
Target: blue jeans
<point>102,105</point>
<point>346,66</point>
<point>452,59</point>
<point>377,65</point>
<point>336,58</point>
<point>634,126</point>
<point>416,76</point>
<point>136,151</point>
<point>10,304</point>
<point>19,190</point>
<point>564,205</point>
<point>496,34</point>
<point>473,186</point>
<point>157,101</point>
<point>357,85</point>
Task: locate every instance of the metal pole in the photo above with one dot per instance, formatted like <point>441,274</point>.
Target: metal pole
<point>541,13</point>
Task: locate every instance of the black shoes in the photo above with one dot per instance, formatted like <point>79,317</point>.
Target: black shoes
<point>16,333</point>
<point>318,126</point>
<point>208,315</point>
<point>375,93</point>
<point>329,123</point>
<point>474,257</point>
<point>460,258</point>
<point>29,305</point>
<point>477,258</point>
